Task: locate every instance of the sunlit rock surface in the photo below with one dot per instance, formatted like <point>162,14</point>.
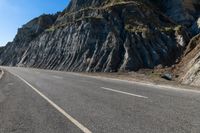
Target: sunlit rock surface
<point>105,36</point>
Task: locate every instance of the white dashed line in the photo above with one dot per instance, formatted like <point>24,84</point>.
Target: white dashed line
<point>57,77</point>
<point>122,92</point>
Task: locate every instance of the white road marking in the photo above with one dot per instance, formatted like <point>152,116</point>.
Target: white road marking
<point>122,92</point>
<point>57,77</point>
<point>78,124</point>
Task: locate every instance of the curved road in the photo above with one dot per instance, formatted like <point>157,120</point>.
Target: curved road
<point>42,101</point>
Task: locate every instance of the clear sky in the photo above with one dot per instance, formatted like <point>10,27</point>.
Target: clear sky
<point>15,13</point>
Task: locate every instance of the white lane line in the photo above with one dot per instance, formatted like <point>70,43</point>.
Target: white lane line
<point>122,92</point>
<point>57,77</point>
<point>78,124</point>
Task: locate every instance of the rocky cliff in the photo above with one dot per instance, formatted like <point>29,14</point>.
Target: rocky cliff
<point>189,67</point>
<point>12,53</point>
<point>183,12</point>
<point>106,36</point>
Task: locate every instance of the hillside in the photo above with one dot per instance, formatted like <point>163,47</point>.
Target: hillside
<point>106,36</point>
<point>189,67</point>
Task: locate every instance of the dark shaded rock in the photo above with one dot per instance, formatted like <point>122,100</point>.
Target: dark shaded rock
<point>196,27</point>
<point>167,76</point>
<point>184,12</point>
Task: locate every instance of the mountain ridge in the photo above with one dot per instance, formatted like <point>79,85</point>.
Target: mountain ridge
<point>106,36</point>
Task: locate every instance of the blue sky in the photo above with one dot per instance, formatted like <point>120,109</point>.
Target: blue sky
<point>15,13</point>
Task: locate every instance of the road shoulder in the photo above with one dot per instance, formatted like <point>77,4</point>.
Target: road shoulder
<point>142,81</point>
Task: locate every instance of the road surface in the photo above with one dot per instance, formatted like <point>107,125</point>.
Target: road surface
<point>43,101</point>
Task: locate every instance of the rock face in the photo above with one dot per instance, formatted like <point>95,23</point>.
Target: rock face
<point>190,64</point>
<point>12,53</point>
<point>105,36</point>
<point>181,11</point>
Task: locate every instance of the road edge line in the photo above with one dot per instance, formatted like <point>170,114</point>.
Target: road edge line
<point>62,111</point>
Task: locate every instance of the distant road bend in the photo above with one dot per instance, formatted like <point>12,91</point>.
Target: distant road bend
<point>44,101</point>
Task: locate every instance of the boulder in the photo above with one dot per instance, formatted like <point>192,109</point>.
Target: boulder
<point>167,76</point>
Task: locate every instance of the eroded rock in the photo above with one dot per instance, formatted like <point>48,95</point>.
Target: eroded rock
<point>101,35</point>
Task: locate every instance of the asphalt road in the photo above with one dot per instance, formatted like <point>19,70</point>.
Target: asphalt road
<point>42,101</point>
